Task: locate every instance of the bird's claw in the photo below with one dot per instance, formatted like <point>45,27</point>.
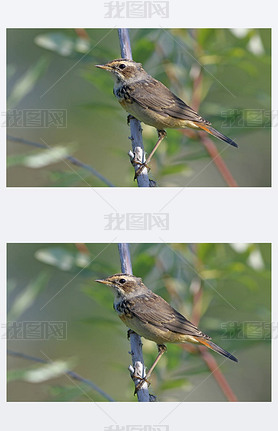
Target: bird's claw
<point>129,117</point>
<point>140,169</point>
<point>140,384</point>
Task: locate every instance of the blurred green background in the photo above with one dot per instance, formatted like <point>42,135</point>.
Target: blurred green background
<point>225,287</point>
<point>226,72</point>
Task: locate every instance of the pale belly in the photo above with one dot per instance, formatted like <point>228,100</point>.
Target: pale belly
<point>154,119</point>
<point>154,333</point>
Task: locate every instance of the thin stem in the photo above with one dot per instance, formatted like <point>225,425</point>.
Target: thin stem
<point>70,159</point>
<point>72,374</point>
<point>218,161</point>
<point>218,375</point>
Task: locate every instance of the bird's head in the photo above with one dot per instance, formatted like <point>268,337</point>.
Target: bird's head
<point>124,284</point>
<point>124,70</point>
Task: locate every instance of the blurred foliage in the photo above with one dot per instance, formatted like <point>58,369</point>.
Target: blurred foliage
<point>55,282</point>
<point>26,83</point>
<point>234,94</point>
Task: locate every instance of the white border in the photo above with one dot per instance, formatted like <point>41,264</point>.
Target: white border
<point>244,215</point>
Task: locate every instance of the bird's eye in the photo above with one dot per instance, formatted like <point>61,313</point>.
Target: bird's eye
<point>122,66</point>
<point>122,280</point>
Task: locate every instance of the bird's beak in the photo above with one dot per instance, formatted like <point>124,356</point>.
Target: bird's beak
<point>103,66</point>
<point>102,281</point>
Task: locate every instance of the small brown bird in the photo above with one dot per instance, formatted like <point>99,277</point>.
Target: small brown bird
<point>153,318</point>
<point>151,102</point>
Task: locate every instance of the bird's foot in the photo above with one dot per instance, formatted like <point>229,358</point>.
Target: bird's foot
<point>140,169</point>
<point>130,117</point>
<point>140,384</point>
<point>129,332</point>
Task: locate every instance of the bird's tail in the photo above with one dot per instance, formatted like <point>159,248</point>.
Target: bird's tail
<point>217,134</point>
<point>216,348</point>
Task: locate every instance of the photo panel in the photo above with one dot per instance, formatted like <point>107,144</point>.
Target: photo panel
<point>209,89</point>
<point>210,303</point>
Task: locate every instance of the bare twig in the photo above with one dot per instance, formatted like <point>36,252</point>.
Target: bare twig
<point>70,159</point>
<point>218,375</point>
<point>138,153</point>
<point>218,161</point>
<point>71,374</point>
<point>138,368</point>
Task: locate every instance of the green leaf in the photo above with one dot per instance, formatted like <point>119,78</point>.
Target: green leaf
<point>143,264</point>
<point>14,375</point>
<point>204,250</point>
<point>62,43</point>
<point>47,157</point>
<point>27,296</point>
<point>48,371</point>
<point>204,35</point>
<point>175,169</point>
<point>16,160</point>
<point>63,259</point>
<point>175,383</point>
<point>11,69</point>
<point>142,49</point>
<point>26,83</point>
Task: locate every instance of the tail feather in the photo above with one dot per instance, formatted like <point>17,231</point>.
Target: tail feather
<point>217,134</point>
<point>216,348</point>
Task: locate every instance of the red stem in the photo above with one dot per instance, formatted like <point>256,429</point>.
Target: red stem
<point>218,161</point>
<point>217,374</point>
<point>206,355</point>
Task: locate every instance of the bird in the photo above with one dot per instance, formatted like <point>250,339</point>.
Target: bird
<point>151,317</point>
<point>148,100</point>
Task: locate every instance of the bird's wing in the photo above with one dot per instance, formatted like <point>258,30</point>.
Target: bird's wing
<point>152,94</point>
<point>152,309</point>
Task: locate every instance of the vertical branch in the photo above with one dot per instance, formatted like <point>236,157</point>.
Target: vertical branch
<point>143,181</point>
<point>125,43</point>
<point>138,368</point>
<point>138,152</point>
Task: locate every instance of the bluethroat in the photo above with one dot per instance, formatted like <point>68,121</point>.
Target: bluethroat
<point>150,316</point>
<point>151,102</point>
